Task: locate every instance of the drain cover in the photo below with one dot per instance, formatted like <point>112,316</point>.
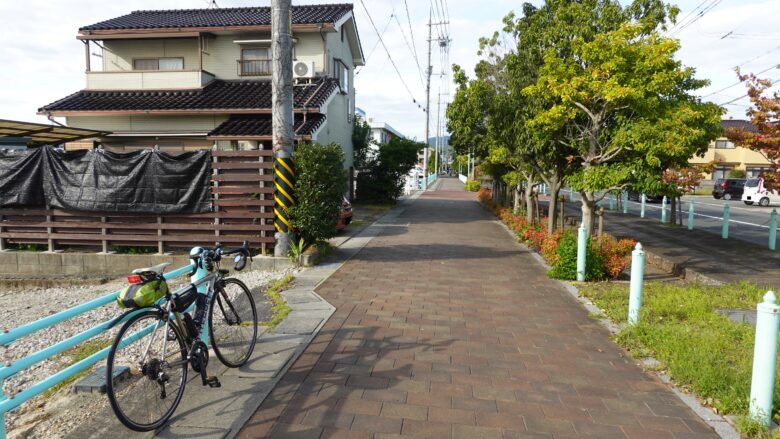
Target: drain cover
<point>95,381</point>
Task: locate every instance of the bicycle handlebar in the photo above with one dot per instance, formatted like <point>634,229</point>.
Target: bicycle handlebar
<point>208,256</point>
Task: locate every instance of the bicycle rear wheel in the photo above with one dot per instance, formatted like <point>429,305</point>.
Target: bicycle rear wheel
<point>233,323</point>
<point>155,355</point>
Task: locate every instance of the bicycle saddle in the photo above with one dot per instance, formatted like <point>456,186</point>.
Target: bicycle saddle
<point>155,269</point>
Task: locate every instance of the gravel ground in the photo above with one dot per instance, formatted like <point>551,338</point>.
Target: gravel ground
<point>55,416</point>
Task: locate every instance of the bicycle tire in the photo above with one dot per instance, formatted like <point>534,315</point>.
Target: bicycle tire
<point>233,344</point>
<point>136,380</point>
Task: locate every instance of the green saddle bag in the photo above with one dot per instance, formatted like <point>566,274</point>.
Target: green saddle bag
<point>142,295</point>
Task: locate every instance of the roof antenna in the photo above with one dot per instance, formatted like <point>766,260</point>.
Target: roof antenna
<point>212,4</point>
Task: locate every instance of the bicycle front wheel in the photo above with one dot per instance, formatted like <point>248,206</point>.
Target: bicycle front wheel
<point>233,323</point>
<point>152,357</point>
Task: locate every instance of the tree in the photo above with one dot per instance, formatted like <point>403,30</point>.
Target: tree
<point>383,179</point>
<point>322,182</point>
<point>764,114</point>
<point>623,103</point>
<point>361,142</point>
<point>682,180</point>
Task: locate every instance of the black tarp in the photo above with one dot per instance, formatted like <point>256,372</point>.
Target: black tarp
<point>147,181</point>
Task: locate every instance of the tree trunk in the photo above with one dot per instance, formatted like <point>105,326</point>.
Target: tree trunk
<point>673,218</point>
<point>588,206</point>
<point>516,200</point>
<point>529,200</point>
<point>552,213</point>
<point>679,211</point>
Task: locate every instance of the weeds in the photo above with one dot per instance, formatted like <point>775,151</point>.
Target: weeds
<point>280,307</point>
<point>74,355</point>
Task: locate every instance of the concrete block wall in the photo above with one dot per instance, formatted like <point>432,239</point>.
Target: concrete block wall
<point>13,263</point>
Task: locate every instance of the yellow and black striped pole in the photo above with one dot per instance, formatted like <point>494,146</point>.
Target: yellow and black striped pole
<point>284,196</point>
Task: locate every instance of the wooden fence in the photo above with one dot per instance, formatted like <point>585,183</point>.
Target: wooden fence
<point>242,190</point>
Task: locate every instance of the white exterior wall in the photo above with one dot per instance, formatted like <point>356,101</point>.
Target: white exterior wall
<point>149,124</point>
<point>120,53</point>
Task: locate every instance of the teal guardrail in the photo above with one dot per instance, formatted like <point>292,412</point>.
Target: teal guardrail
<point>462,178</point>
<point>431,179</point>
<point>9,336</point>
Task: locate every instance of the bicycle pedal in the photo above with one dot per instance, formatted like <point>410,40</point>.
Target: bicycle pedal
<point>213,382</point>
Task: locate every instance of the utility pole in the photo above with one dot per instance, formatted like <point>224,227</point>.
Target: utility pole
<point>282,121</point>
<point>438,133</point>
<point>427,103</point>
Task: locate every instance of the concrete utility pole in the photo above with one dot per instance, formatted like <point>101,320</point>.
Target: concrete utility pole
<point>282,120</point>
<point>427,102</point>
<point>438,134</point>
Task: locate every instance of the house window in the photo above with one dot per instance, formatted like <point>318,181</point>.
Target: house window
<point>169,63</point>
<point>722,172</point>
<point>255,61</point>
<point>723,144</point>
<point>756,171</point>
<point>341,72</point>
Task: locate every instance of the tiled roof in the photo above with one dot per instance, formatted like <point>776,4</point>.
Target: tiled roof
<point>744,125</point>
<point>248,16</point>
<point>260,125</point>
<point>219,95</point>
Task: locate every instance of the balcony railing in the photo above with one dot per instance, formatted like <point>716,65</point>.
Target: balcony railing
<point>254,67</point>
<point>139,80</point>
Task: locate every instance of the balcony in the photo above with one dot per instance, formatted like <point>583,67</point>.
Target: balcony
<point>254,67</point>
<point>148,79</point>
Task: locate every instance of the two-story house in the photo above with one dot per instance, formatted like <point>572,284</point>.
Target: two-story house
<point>730,157</point>
<point>201,78</point>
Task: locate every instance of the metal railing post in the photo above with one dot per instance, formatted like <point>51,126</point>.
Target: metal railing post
<point>773,229</point>
<point>762,385</point>
<point>642,204</point>
<point>582,242</point>
<point>726,213</point>
<point>663,210</point>
<point>690,215</point>
<point>637,282</point>
<point>625,202</point>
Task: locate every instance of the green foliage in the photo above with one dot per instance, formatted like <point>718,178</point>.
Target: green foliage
<point>738,173</point>
<point>28,247</point>
<point>431,161</point>
<point>361,141</point>
<point>472,185</point>
<point>73,356</point>
<point>134,250</point>
<point>383,180</point>
<point>319,189</point>
<point>280,308</point>
<point>702,350</point>
<point>566,266</point>
<point>296,250</point>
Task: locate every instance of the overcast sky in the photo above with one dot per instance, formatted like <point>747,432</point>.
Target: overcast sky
<point>43,61</point>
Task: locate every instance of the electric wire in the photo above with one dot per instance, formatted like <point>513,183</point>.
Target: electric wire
<point>389,20</point>
<point>774,81</point>
<point>411,32</point>
<point>696,18</point>
<point>739,82</point>
<point>403,36</point>
<point>382,42</point>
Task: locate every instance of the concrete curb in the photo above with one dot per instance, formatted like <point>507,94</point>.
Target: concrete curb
<point>721,426</point>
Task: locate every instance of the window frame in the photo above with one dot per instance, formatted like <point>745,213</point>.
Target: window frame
<point>341,73</point>
<point>157,60</point>
<point>241,60</point>
<point>726,144</point>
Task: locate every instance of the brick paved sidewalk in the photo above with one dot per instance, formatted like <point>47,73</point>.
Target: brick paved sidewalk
<point>445,328</point>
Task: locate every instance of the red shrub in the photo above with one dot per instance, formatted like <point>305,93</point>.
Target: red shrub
<point>615,255</point>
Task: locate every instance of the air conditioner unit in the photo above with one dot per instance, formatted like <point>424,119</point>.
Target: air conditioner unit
<point>303,69</point>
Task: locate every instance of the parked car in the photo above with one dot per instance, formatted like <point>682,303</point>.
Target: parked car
<point>756,192</point>
<point>636,196</point>
<point>346,215</point>
<point>728,188</point>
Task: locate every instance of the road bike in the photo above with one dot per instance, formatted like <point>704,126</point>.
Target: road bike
<point>147,365</point>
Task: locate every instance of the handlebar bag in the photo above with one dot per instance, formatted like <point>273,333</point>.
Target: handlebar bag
<point>142,295</point>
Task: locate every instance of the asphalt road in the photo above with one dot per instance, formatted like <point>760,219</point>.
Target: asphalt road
<point>747,223</point>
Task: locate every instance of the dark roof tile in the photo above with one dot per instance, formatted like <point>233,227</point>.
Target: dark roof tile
<point>248,16</point>
<point>219,95</point>
<point>742,124</point>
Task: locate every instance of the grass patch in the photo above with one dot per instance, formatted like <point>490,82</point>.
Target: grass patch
<point>28,247</point>
<point>357,223</point>
<point>703,351</point>
<point>280,308</point>
<point>324,249</point>
<point>74,355</point>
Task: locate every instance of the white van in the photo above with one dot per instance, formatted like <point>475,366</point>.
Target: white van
<point>755,192</point>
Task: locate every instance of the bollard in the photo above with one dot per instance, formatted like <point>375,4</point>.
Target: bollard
<point>637,281</point>
<point>611,201</point>
<point>625,202</point>
<point>762,385</point>
<point>642,208</point>
<point>663,210</point>
<point>725,232</point>
<point>773,229</point>
<point>582,242</point>
<point>690,215</point>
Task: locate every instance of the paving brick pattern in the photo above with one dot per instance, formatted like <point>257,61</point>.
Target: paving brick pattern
<point>445,328</point>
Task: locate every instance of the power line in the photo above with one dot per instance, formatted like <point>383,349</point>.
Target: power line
<point>740,82</point>
<point>389,20</point>
<point>411,32</point>
<point>679,23</point>
<point>746,95</point>
<point>757,57</point>
<point>696,18</point>
<point>403,35</point>
<point>381,41</point>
